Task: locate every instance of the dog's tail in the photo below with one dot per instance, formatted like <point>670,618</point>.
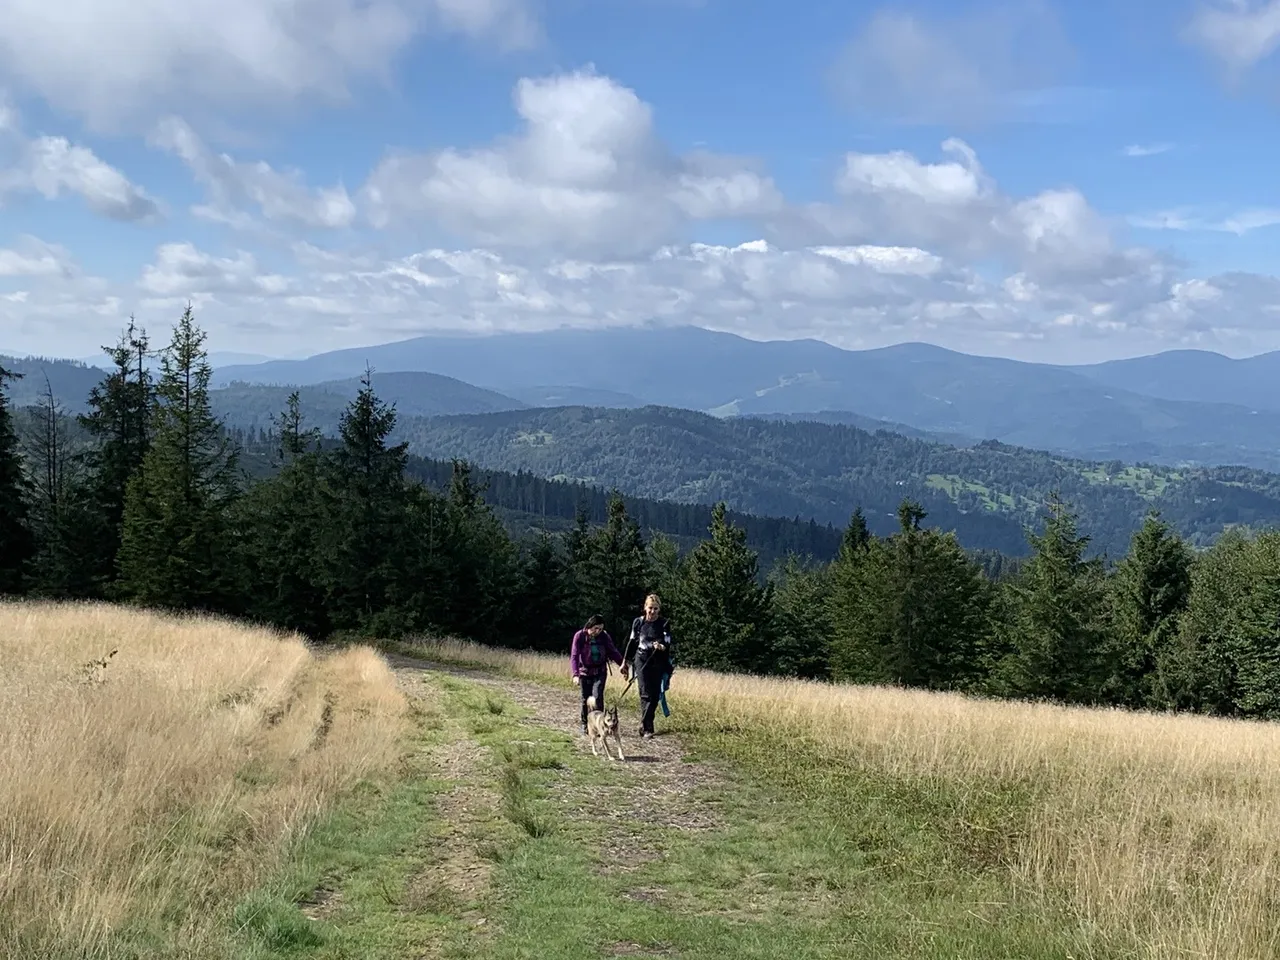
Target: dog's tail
<point>591,703</point>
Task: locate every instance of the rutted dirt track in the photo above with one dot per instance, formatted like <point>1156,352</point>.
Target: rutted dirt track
<point>660,790</point>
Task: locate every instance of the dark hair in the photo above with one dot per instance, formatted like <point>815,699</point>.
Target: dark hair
<point>595,621</point>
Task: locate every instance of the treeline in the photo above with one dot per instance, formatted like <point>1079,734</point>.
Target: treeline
<point>340,538</point>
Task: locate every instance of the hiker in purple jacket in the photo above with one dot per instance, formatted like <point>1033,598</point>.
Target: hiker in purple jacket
<point>589,658</point>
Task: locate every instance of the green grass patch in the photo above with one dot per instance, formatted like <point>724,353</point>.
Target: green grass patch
<point>812,856</point>
<point>955,487</point>
<point>343,891</point>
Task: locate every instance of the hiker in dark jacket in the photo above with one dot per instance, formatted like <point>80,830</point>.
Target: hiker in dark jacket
<point>589,658</point>
<point>653,650</point>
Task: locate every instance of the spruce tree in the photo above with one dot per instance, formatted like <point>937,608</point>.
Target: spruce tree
<point>366,509</point>
<point>802,619</point>
<point>855,657</point>
<point>543,617</point>
<point>726,618</point>
<point>119,423</point>
<point>282,518</point>
<point>1059,625</point>
<point>485,563</point>
<point>62,517</point>
<point>913,608</point>
<point>1150,590</point>
<point>666,576</point>
<point>1199,670</point>
<point>615,570</point>
<point>175,549</point>
<point>17,542</point>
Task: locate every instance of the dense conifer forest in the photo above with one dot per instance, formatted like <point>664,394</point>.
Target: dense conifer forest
<point>146,498</point>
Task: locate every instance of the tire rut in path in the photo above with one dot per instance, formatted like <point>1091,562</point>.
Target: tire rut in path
<point>660,789</point>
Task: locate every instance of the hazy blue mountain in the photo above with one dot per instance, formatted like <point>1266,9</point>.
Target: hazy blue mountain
<point>1197,375</point>
<point>71,381</point>
<point>414,394</point>
<point>929,388</point>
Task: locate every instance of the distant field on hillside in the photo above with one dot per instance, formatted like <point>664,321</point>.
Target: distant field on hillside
<point>989,493</point>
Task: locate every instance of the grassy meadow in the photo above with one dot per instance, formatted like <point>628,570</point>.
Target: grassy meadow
<point>214,791</point>
<point>145,795</point>
<point>1025,829</point>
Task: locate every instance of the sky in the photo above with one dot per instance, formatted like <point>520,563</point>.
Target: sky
<point>1045,181</point>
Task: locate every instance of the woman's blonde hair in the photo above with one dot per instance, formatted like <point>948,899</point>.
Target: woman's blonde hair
<point>657,601</point>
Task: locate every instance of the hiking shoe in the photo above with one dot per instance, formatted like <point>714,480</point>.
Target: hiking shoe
<point>648,735</point>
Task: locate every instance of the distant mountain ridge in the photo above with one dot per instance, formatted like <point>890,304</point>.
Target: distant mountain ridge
<point>1081,411</point>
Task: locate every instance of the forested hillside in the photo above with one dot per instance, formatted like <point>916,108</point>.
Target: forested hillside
<point>339,538</point>
<point>251,406</point>
<point>987,493</point>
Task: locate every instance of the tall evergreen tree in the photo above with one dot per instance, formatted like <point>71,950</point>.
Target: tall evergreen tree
<point>282,518</point>
<point>726,621</point>
<point>17,542</point>
<point>802,619</point>
<point>175,550</point>
<point>916,608</point>
<point>62,519</point>
<point>543,617</point>
<point>1059,621</point>
<point>366,506</point>
<point>861,560</point>
<point>484,563</point>
<point>1199,670</point>
<point>667,576</point>
<point>1150,590</point>
<point>119,422</point>
<point>615,569</point>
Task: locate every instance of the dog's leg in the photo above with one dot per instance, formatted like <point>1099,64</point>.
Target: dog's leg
<point>617,736</point>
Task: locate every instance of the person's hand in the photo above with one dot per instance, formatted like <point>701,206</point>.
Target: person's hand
<point>624,671</point>
<point>576,679</point>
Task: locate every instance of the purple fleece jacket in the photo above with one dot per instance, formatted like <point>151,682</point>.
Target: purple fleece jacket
<point>579,665</point>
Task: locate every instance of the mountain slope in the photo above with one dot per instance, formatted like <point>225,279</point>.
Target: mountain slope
<point>71,381</point>
<point>925,387</point>
<point>1196,375</point>
<point>414,394</point>
<point>986,493</point>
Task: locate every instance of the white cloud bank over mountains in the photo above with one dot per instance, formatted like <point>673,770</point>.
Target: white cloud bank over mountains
<point>581,215</point>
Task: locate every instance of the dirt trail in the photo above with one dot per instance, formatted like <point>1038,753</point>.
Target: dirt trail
<point>660,789</point>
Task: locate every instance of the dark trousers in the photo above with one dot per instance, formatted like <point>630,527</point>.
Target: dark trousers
<point>649,673</point>
<point>592,687</point>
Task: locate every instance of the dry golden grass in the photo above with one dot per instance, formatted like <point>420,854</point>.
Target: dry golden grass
<point>141,797</point>
<point>1163,831</point>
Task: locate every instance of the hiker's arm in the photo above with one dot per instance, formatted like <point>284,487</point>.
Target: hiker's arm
<point>575,655</point>
<point>628,653</point>
<point>612,650</point>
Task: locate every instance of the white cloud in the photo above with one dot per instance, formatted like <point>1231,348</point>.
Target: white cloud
<point>1146,149</point>
<point>33,257</point>
<point>586,173</point>
<point>972,67</point>
<point>852,295</point>
<point>955,208</point>
<point>181,269</point>
<point>232,185</point>
<point>1239,34</point>
<point>54,167</point>
<point>118,62</point>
